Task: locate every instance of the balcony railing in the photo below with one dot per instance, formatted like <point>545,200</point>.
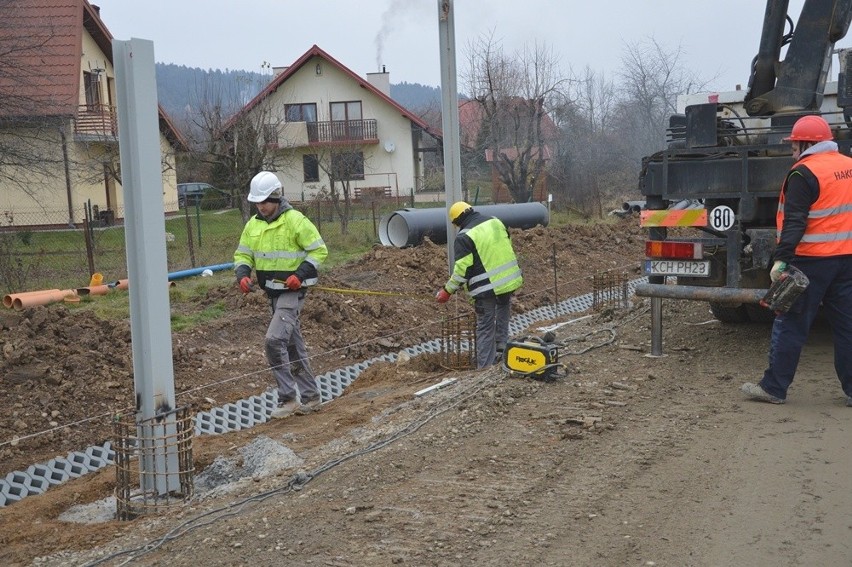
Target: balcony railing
<point>343,131</point>
<point>98,121</point>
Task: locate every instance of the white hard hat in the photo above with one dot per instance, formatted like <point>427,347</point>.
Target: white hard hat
<point>265,185</point>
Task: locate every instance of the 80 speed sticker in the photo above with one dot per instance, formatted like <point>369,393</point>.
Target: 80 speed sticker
<point>721,217</point>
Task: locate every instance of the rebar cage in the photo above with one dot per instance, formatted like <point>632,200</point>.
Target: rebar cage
<point>153,460</point>
<point>458,341</point>
<point>609,290</point>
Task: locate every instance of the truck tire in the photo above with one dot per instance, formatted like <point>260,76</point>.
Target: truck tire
<point>728,313</point>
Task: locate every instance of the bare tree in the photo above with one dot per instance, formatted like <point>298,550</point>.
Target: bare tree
<point>652,78</point>
<point>514,93</point>
<point>230,146</point>
<point>342,164</point>
<point>590,161</point>
<point>607,127</point>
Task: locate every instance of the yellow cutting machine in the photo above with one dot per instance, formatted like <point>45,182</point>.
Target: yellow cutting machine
<point>532,357</point>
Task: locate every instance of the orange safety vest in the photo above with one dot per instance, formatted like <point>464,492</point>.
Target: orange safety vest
<point>828,231</point>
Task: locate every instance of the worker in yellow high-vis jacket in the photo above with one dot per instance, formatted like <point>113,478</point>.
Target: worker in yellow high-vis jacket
<point>285,249</point>
<point>487,268</point>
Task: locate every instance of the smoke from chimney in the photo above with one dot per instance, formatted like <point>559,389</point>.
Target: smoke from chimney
<point>396,14</point>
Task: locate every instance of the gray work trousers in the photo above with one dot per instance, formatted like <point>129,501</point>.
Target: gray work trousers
<point>286,351</point>
<point>492,327</point>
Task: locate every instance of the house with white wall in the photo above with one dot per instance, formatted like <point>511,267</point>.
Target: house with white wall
<point>322,122</point>
<point>59,152</point>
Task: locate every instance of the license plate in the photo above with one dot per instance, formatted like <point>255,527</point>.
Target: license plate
<point>691,268</point>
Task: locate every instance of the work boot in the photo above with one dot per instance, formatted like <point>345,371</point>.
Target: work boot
<point>285,409</point>
<point>757,393</point>
<point>498,357</point>
<point>309,406</point>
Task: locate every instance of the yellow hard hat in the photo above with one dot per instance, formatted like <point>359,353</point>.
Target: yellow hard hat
<point>458,209</point>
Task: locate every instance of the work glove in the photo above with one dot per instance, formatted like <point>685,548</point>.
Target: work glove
<point>246,284</point>
<point>293,282</point>
<point>442,296</point>
<point>777,269</point>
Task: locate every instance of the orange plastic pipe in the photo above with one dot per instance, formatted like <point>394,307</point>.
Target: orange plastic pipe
<point>9,300</point>
<point>94,290</point>
<point>32,300</point>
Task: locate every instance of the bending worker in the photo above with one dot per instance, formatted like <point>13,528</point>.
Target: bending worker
<point>814,224</point>
<point>285,249</point>
<point>486,266</point>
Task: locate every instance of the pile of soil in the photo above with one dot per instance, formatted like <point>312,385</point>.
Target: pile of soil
<point>65,373</point>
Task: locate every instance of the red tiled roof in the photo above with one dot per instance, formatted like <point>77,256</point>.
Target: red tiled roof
<point>315,51</point>
<point>41,45</point>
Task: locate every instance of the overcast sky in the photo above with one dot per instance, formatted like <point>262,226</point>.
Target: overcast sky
<point>718,38</point>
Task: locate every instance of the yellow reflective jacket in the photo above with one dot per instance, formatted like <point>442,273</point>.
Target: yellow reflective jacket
<point>289,244</point>
<point>485,263</point>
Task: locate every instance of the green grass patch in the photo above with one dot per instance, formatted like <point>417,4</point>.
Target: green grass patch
<point>209,313</point>
<point>112,306</point>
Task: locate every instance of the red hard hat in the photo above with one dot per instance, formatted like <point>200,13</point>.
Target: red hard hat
<point>810,129</point>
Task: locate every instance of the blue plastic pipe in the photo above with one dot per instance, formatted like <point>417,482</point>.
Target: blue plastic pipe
<point>197,271</point>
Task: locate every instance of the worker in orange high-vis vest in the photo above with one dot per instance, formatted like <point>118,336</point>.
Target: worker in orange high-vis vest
<point>814,223</point>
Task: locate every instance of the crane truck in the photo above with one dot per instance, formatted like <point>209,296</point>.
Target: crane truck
<point>712,194</point>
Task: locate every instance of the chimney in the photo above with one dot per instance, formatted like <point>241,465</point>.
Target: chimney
<point>380,80</point>
<point>278,70</point>
<point>97,9</point>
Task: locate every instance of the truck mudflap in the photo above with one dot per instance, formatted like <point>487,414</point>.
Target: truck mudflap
<point>700,293</point>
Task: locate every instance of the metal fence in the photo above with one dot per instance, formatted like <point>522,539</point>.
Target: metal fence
<point>36,252</point>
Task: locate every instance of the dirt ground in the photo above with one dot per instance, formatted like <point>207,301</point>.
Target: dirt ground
<point>626,460</point>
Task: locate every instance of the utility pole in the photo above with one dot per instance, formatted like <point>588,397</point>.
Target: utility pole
<point>449,117</point>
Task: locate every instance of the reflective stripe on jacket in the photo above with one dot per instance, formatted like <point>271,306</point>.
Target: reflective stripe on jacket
<point>288,245</point>
<point>485,264</point>
<point>829,225</point>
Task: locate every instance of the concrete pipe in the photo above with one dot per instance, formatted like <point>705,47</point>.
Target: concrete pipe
<point>632,206</point>
<point>408,227</point>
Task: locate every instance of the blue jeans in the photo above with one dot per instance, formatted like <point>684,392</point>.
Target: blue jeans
<point>831,285</point>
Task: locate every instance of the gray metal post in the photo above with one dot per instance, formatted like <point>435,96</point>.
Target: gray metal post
<point>449,116</point>
<point>656,326</point>
<point>145,231</point>
<point>657,233</point>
